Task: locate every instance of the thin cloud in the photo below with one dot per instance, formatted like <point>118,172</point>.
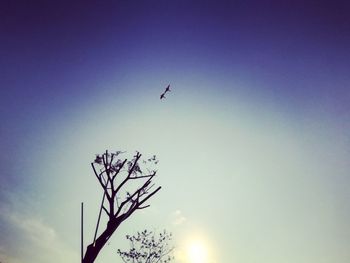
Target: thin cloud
<point>42,241</point>
<point>4,257</point>
<point>178,218</point>
<point>34,228</point>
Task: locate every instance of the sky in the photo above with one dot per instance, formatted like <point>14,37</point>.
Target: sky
<point>252,141</point>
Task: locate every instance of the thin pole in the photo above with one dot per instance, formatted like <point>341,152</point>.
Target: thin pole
<point>99,217</point>
<point>82,232</point>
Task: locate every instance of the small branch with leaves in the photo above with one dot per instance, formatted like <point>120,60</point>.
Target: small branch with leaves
<point>148,247</point>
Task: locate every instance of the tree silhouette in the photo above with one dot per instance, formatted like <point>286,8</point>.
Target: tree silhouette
<point>147,247</point>
<point>127,185</point>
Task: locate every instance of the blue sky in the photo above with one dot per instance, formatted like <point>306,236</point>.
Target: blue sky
<point>258,114</point>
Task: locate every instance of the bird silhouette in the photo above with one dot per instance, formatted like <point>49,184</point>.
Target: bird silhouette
<point>167,89</point>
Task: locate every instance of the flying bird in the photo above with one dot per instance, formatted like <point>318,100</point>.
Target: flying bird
<point>167,89</point>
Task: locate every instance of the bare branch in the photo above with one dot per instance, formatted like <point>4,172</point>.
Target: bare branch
<point>150,195</point>
<point>122,204</point>
<point>119,169</point>
<point>138,155</point>
<point>106,166</point>
<point>106,211</point>
<point>143,207</point>
<point>100,181</point>
<point>144,176</point>
<point>111,161</point>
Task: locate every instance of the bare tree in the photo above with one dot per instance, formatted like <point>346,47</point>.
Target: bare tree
<point>147,247</point>
<point>127,185</point>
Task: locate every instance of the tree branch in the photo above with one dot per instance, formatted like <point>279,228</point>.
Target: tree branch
<point>124,203</point>
<point>150,195</point>
<point>106,211</point>
<point>144,176</point>
<point>119,168</point>
<point>100,181</point>
<point>138,155</point>
<point>107,168</point>
<point>143,207</point>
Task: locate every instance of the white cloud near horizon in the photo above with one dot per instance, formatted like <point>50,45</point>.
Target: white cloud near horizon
<point>41,242</point>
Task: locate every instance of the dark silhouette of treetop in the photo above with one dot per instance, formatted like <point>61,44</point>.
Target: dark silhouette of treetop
<point>148,247</point>
<point>127,185</point>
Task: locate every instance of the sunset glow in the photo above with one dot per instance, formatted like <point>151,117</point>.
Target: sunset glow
<point>197,253</point>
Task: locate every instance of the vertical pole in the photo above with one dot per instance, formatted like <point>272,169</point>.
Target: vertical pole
<point>82,232</point>
<point>99,217</point>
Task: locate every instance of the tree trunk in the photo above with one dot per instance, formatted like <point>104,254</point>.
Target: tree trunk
<point>93,250</point>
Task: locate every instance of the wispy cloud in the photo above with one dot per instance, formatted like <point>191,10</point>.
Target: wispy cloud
<point>34,228</point>
<point>42,244</point>
<point>178,218</point>
<point>6,258</point>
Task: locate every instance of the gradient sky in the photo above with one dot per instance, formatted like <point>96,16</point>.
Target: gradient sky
<point>253,140</point>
